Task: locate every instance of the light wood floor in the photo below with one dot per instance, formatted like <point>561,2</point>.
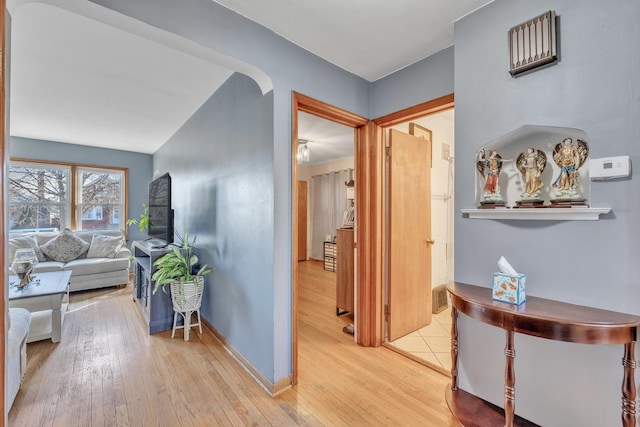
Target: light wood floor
<point>107,371</point>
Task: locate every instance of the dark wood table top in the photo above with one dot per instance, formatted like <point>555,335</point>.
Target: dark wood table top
<point>546,318</point>
<point>49,283</point>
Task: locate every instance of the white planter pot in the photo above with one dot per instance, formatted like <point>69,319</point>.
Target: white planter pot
<point>187,298</point>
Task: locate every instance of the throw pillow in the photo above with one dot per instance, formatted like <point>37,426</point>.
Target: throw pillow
<point>65,247</point>
<point>105,246</point>
<point>24,242</point>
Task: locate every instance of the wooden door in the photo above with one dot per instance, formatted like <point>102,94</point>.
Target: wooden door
<point>409,287</point>
<point>302,221</point>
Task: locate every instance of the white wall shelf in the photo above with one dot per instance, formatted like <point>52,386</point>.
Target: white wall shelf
<point>552,214</point>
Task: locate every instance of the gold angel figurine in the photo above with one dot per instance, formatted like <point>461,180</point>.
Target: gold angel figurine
<point>569,158</point>
<point>493,167</point>
<point>531,164</point>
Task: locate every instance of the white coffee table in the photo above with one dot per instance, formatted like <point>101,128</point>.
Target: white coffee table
<point>46,293</point>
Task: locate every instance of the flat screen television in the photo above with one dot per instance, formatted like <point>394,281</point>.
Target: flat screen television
<point>160,212</point>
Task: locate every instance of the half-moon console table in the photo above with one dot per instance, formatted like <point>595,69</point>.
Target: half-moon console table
<point>541,318</point>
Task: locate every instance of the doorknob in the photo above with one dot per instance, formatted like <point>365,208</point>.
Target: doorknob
<point>430,242</point>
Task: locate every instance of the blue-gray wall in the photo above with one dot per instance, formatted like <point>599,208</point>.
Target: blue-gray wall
<point>595,87</point>
<point>221,167</point>
<point>139,165</point>
<point>425,80</point>
<point>291,68</point>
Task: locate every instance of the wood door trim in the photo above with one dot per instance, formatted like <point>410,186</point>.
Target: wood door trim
<point>4,150</point>
<point>369,220</point>
<point>370,224</point>
<point>430,107</point>
<point>327,111</point>
<point>300,102</point>
<point>370,269</point>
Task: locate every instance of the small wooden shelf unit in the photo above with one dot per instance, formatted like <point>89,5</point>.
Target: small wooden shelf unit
<point>330,254</point>
<point>344,266</point>
<point>542,318</point>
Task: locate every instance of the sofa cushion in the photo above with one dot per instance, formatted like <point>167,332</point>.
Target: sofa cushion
<point>16,361</point>
<point>96,265</point>
<point>87,235</point>
<point>24,242</point>
<point>19,329</point>
<point>47,266</point>
<point>105,246</point>
<point>65,247</point>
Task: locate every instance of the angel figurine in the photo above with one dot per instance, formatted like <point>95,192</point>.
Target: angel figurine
<point>493,167</point>
<point>531,164</point>
<point>569,158</point>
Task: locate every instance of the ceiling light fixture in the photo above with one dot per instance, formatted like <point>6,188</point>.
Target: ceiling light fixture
<point>303,151</point>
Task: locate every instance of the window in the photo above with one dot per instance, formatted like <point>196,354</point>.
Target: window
<point>98,198</point>
<point>93,214</point>
<point>48,196</point>
<point>38,197</point>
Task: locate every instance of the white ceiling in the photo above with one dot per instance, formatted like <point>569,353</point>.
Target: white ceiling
<point>78,80</point>
<point>326,140</point>
<point>370,38</point>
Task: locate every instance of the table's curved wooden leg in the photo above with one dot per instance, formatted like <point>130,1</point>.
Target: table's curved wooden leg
<point>629,386</point>
<point>509,381</point>
<point>454,349</point>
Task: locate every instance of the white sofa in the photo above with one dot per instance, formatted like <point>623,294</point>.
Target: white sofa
<point>18,321</point>
<point>102,258</point>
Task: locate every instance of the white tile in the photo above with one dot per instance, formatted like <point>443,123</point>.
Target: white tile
<point>434,330</point>
<point>412,344</point>
<point>444,359</point>
<point>444,317</point>
<point>439,344</point>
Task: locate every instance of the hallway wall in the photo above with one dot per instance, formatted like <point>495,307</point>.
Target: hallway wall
<point>594,87</point>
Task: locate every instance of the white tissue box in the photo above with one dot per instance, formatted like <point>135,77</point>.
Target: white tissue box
<point>509,288</point>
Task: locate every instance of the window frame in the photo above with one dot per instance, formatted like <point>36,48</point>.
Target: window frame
<point>73,189</point>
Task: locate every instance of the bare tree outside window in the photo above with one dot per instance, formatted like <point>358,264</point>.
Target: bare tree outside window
<point>42,198</point>
<point>100,199</point>
<point>38,198</point>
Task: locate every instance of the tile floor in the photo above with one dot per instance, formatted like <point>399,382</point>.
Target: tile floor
<point>431,343</point>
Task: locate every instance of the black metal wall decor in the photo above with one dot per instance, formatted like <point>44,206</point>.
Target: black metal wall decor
<point>532,44</point>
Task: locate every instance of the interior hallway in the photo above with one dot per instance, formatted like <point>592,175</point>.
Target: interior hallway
<point>108,371</point>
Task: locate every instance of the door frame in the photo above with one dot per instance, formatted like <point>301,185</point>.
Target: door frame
<point>300,102</point>
<point>408,286</point>
<point>376,287</point>
<point>369,232</point>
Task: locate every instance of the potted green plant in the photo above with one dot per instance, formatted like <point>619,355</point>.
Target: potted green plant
<point>179,270</point>
<point>143,222</point>
<point>179,267</point>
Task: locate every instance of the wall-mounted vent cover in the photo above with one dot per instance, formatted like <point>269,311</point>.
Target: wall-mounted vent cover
<point>532,44</point>
<point>439,299</point>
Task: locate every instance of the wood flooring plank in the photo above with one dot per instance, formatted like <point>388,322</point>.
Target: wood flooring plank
<point>107,371</point>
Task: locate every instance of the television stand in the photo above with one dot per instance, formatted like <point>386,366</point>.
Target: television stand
<point>157,309</point>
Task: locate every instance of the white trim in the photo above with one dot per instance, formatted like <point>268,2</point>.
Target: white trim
<point>553,214</point>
